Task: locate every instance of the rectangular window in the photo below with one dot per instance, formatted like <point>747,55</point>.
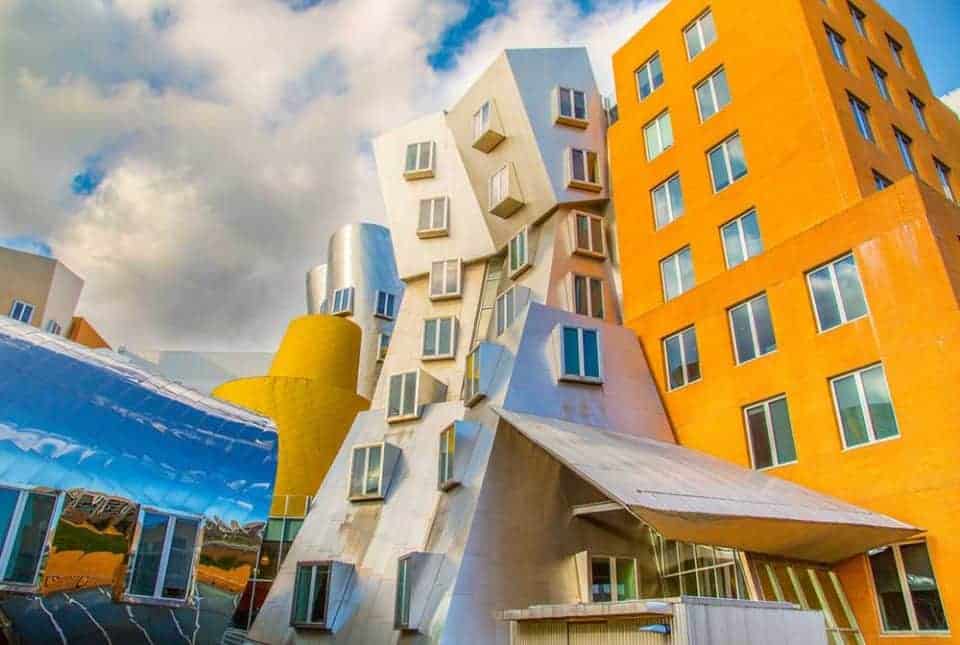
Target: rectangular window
<point>880,181</point>
<point>504,192</point>
<point>727,163</point>
<point>769,433</point>
<point>471,377</point>
<point>861,115</point>
<point>588,296</point>
<point>310,590</point>
<point>649,77</point>
<point>277,539</point>
<point>481,120</point>
<point>613,579</point>
<point>584,169</point>
<point>445,279</point>
<point>342,302</point>
<point>499,185</point>
<point>366,472</point>
<point>571,106</point>
<point>21,311</point>
<point>700,34</point>
<point>448,446</point>
<point>386,305</point>
<point>433,217</point>
<point>580,354</point>
<point>896,51</point>
<point>863,406</point>
<point>859,20</point>
<point>419,160</point>
<point>401,616</point>
<point>943,174</point>
<point>903,144</point>
<point>699,570</point>
<point>713,94</point>
<point>383,344</point>
<point>402,402</point>
<point>682,358</point>
<point>676,272</point>
<point>588,234</point>
<point>836,46</point>
<point>919,111</point>
<point>506,307</point>
<point>518,253</point>
<point>741,239</point>
<point>439,337</point>
<point>658,135</point>
<point>26,518</point>
<point>752,329</point>
<point>164,556</point>
<point>667,201</point>
<point>837,293</point>
<point>907,591</point>
<point>53,327</point>
<point>880,78</point>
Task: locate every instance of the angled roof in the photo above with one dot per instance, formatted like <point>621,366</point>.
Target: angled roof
<point>690,496</point>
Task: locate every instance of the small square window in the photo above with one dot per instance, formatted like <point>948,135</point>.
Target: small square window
<point>311,591</point>
<point>386,305</point>
<point>21,311</point>
<point>518,253</point>
<point>700,34</point>
<point>163,557</point>
<point>439,338</point>
<point>433,219</point>
<point>676,271</point>
<point>342,302</point>
<point>28,520</point>
<point>837,293</point>
<point>658,136</point>
<point>713,94</point>
<point>769,433</point>
<point>419,161</point>
<point>649,77</point>
<point>445,279</point>
<point>681,358</point>
<point>584,170</point>
<point>741,239</point>
<point>667,201</point>
<point>727,163</point>
<point>580,354</point>
<point>864,409</point>
<point>588,296</point>
<point>588,235</point>
<point>571,106</point>
<point>752,329</point>
<point>402,396</point>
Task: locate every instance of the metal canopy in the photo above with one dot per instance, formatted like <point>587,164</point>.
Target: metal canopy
<point>690,496</point>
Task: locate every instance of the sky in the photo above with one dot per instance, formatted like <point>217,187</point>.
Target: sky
<point>191,158</point>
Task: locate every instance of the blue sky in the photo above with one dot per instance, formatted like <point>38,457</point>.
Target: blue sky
<point>934,26</point>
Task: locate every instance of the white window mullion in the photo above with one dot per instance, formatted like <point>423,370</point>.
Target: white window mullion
<point>835,283</point>
<point>679,274</point>
<point>683,363</point>
<point>797,588</point>
<point>864,407</point>
<point>11,532</point>
<point>164,557</point>
<point>726,160</point>
<point>774,582</point>
<point>770,436</point>
<point>754,336</point>
<point>742,239</point>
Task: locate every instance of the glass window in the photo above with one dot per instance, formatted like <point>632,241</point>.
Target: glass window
<point>658,135</point>
<point>386,303</point>
<point>682,358</point>
<point>588,237</point>
<point>727,163</point>
<point>713,94</point>
<point>649,77</point>
<point>837,293</point>
<point>588,296</point>
<point>859,20</point>
<point>402,395</point>
<point>584,167</point>
<point>700,34</point>
<point>506,308</point>
<point>277,538</point>
<point>880,78</point>
<point>896,51</point>
<point>903,143</point>
<point>836,46</point>
<point>907,590</point>
<point>383,344</point>
<point>481,120</point>
<point>517,253</point>
<point>769,433</point>
<point>163,560</point>
<point>438,337</point>
<point>676,273</point>
<point>918,111</point>
<point>471,376</point>
<point>612,579</point>
<point>864,407</point>
<point>861,116</point>
<point>433,216</point>
<point>310,590</point>
<point>366,471</point>
<point>448,445</point>
<point>445,279</point>
<point>741,239</point>
<point>342,301</point>
<point>943,174</point>
<point>54,327</point>
<point>25,521</point>
<point>667,201</point>
<point>752,329</point>
<point>572,103</point>
<point>499,185</point>
<point>698,570</point>
<point>880,181</point>
<point>21,311</point>
<point>580,354</point>
<point>419,157</point>
<point>404,587</point>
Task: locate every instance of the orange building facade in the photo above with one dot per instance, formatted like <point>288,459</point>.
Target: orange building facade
<point>790,247</point>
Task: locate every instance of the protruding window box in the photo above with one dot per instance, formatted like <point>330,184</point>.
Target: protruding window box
<point>570,107</point>
<point>479,372</point>
<point>371,469</point>
<point>342,302</point>
<point>583,170</point>
<point>488,129</point>
<point>588,235</point>
<point>416,573</point>
<point>504,197</point>
<point>419,160</point>
<point>319,591</point>
<point>453,454</point>
<point>408,392</point>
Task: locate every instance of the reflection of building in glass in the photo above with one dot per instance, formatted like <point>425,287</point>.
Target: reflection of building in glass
<point>131,507</point>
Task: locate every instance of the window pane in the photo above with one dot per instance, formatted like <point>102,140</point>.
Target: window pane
<point>851,413</point>
<point>452,277</point>
<point>626,579</point>
<point>718,167</point>
<point>691,355</point>
<point>731,244</point>
<point>686,269</point>
<point>705,100</point>
<point>592,168</point>
<point>742,334</point>
<point>301,594</point>
<point>761,320</point>
<point>566,109</point>
<point>580,295</point>
<point>643,81</point>
<point>359,457</point>
<point>293,527</point>
<point>571,351</point>
<point>671,281</point>
<point>409,393</point>
<point>596,235</point>
<point>851,293</point>
<point>676,196</point>
<point>591,353</point>
<point>583,232</point>
<point>577,165</point>
<point>411,163</point>
<point>782,431</point>
<point>708,28</point>
<point>661,208</point>
<point>751,233</point>
<point>738,162</point>
<point>30,536</point>
<point>424,161</point>
<point>893,610</point>
<point>402,602</point>
<point>666,131</point>
<point>759,439</point>
<point>8,501</point>
<point>656,72</point>
<point>923,587</point>
<point>675,371</point>
<point>579,105</point>
<point>721,89</point>
<point>319,613</point>
<point>601,588</point>
<point>396,390</point>
<point>596,298</point>
<point>652,138</point>
<point>147,567</point>
<point>878,402</point>
<point>180,561</point>
<point>372,484</point>
<point>824,299</point>
<point>424,221</point>
<point>693,41</point>
<point>436,278</point>
<point>429,337</point>
<point>445,342</point>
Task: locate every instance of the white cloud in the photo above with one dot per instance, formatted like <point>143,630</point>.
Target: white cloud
<point>952,99</point>
<point>234,136</point>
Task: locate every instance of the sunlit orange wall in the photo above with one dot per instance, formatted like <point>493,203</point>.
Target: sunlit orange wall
<point>810,180</point>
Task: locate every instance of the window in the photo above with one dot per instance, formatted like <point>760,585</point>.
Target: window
<point>471,377</point>
<point>658,135</point>
<point>769,433</point>
<point>676,272</point>
<point>21,311</point>
<point>649,77</point>
<point>401,614</point>
<point>836,46</point>
<point>881,181</point>
<point>163,560</point>
<point>713,94</point>
<point>439,337</point>
<point>837,293</point>
<point>903,143</point>
<point>588,238</point>
<point>342,302</point>
<point>896,50</point>
<point>481,120</point>
<point>859,20</point>
<point>571,107</point>
<point>448,446</point>
<point>580,354</point>
<point>54,327</point>
<point>613,579</point>
<point>277,539</point>
<point>433,217</point>
<point>861,114</point>
<point>499,185</point>
<point>918,111</point>
<point>487,129</point>
<point>863,406</point>
<point>366,471</point>
<point>698,570</point>
<point>445,279</point>
<point>727,163</point>
<point>518,253</point>
<point>700,34</point>
<point>310,590</point>
<point>584,169</point>
<point>741,239</point>
<point>943,174</point>
<point>880,78</point>
<point>588,296</point>
<point>504,192</point>
<point>25,520</point>
<point>907,590</point>
<point>507,309</point>
<point>383,344</point>
<point>419,160</point>
<point>682,358</point>
<point>402,402</point>
<point>667,201</point>
<point>386,304</point>
<point>752,329</point>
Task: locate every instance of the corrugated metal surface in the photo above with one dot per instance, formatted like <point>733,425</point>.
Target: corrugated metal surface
<point>541,633</point>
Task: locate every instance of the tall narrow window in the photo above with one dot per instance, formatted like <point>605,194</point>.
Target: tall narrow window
<point>21,311</point>
<point>445,277</point>
<point>471,377</point>
<point>26,518</point>
<point>741,239</point>
<point>342,302</point>
<point>366,472</point>
<point>383,344</point>
<point>506,309</point>
<point>571,107</point>
<point>518,255</point>
<point>448,446</point>
<point>700,34</point>
<point>649,77</point>
<point>584,169</point>
<point>310,590</point>
<point>903,144</point>
<point>402,399</point>
<point>919,111</point>
<point>713,94</point>
<point>588,296</point>
<point>481,120</point>
<point>880,78</point>
<point>504,192</point>
<point>837,293</point>
<point>727,163</point>
<point>769,433</point>
<point>859,20</point>
<point>676,272</point>
<point>837,46</point>
<point>386,305</point>
<point>861,116</point>
<point>580,354</point>
<point>401,616</point>
<point>863,406</point>
<point>881,181</point>
<point>419,160</point>
<point>943,174</point>
<point>907,589</point>
<point>499,185</point>
<point>588,234</point>
<point>433,217</point>
<point>667,201</point>
<point>896,51</point>
<point>163,561</point>
<point>752,329</point>
<point>439,337</point>
<point>682,358</point>
<point>658,135</point>
<point>277,538</point>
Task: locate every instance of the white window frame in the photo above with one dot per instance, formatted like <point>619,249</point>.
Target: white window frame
<point>674,261</point>
<point>420,170</point>
<point>683,359</point>
<point>342,302</point>
<point>648,70</point>
<point>612,562</point>
<point>673,215</point>
<point>904,143</point>
<point>53,327</point>
<point>581,377</point>
<point>445,264</point>
<point>861,117</point>
<point>711,82</point>
<point>380,493</point>
<point>943,174</point>
<point>390,305</point>
<point>896,52</point>
<point>311,592</point>
<point>481,119</point>
<point>754,336</point>
<point>446,473</point>
<point>836,42</point>
<point>835,283</point>
<point>589,281</point>
<point>880,80</point>
<point>859,20</point>
<point>656,124</point>
<point>864,407</point>
<point>436,356</point>
<point>24,305</point>
<point>404,414</point>
<point>501,179</point>
<point>572,119</point>
<point>907,595</point>
<point>471,395</point>
<point>697,23</point>
<point>725,147</point>
<point>741,238</point>
<point>9,537</point>
<point>157,597</point>
<point>584,183</point>
<point>435,231</point>
<point>506,309</point>
<point>589,251</point>
<point>919,113</point>
<point>519,245</point>
<point>771,437</point>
